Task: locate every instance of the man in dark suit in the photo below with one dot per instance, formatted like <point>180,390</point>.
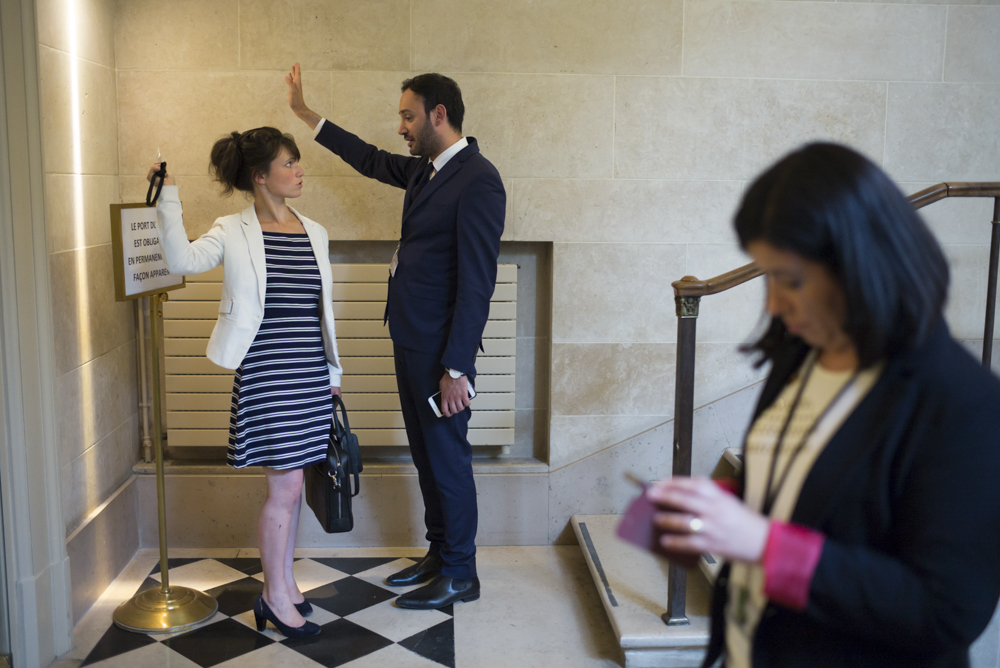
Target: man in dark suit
<point>442,278</point>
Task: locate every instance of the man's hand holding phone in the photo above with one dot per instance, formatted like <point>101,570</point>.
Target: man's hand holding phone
<point>456,394</point>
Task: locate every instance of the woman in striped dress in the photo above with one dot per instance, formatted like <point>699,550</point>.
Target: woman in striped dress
<point>276,329</point>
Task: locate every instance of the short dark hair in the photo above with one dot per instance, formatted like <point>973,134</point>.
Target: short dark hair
<point>239,157</point>
<point>438,89</point>
<point>833,206</point>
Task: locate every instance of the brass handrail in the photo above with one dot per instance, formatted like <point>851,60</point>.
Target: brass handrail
<point>690,286</point>
<point>688,292</point>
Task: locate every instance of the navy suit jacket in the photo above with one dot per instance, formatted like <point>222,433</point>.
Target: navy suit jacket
<point>439,299</point>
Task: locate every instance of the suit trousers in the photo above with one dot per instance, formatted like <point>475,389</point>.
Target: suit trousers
<point>443,457</point>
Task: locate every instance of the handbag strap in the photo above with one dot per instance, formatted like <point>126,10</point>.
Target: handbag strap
<point>349,441</point>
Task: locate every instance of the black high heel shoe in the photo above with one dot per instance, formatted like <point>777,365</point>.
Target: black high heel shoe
<point>305,608</point>
<point>263,614</point>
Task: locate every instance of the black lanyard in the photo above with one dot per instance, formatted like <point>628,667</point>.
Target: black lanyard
<point>162,175</point>
<point>770,498</point>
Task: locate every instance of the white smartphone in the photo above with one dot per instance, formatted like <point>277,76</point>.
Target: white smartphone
<point>435,400</point>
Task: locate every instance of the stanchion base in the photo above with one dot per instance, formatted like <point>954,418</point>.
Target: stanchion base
<point>159,611</point>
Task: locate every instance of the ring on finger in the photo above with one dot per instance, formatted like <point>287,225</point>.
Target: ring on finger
<point>696,524</point>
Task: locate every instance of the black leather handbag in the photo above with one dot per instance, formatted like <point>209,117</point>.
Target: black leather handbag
<point>328,484</point>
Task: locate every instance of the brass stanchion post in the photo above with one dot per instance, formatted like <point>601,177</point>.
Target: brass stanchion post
<point>167,608</point>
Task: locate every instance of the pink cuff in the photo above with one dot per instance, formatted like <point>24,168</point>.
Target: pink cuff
<point>731,485</point>
<point>790,558</point>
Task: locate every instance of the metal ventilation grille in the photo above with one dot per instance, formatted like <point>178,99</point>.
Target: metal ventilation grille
<point>199,393</point>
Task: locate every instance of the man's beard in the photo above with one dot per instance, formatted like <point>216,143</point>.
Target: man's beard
<point>425,142</point>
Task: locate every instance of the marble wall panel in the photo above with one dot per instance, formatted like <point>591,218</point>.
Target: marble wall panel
<point>96,115</point>
<point>973,44</point>
<point>76,210</point>
<point>542,125</point>
<point>615,292</point>
<point>534,286</point>
<point>721,370</point>
<point>612,379</point>
<point>690,128</point>
<point>597,485</point>
<point>956,220</point>
<point>943,132</point>
<point>531,434</point>
<point>102,547</point>
<point>965,310</point>
<point>367,104</point>
<point>353,207</point>
<point>733,315</point>
<point>606,210</point>
<point>531,373</point>
<point>575,437</point>
<point>178,35</point>
<point>624,37</point>
<point>324,34</point>
<point>735,38</point>
<point>94,400</point>
<point>87,321</point>
<point>184,113</point>
<point>537,140</point>
<point>221,511</point>
<point>84,26</point>
<point>93,476</point>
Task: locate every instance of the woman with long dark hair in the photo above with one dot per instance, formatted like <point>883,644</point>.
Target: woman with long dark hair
<point>276,329</point>
<point>866,528</point>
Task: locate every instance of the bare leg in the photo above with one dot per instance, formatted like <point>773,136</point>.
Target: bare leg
<point>293,529</point>
<point>284,489</point>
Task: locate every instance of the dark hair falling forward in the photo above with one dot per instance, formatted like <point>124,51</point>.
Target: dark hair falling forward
<point>833,206</point>
<point>239,157</point>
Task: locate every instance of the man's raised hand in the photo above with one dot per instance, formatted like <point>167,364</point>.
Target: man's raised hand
<point>297,101</point>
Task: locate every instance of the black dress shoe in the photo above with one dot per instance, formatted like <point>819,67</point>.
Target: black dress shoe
<point>440,593</point>
<point>423,571</point>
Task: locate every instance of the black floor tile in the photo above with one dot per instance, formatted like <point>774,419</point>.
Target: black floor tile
<point>340,642</point>
<point>218,642</point>
<point>347,596</point>
<point>436,643</point>
<point>354,565</point>
<point>449,609</point>
<point>247,565</point>
<point>237,597</point>
<point>148,583</point>
<point>116,641</point>
<point>175,563</point>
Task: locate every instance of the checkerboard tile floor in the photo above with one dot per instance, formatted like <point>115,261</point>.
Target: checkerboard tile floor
<point>361,626</point>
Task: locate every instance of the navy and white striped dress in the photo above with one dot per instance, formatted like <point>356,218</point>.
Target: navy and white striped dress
<point>282,404</point>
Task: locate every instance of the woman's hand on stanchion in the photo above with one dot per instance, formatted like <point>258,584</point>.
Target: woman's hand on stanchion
<point>698,516</point>
<point>167,180</point>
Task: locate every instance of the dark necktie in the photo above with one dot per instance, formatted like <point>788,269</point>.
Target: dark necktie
<point>424,178</point>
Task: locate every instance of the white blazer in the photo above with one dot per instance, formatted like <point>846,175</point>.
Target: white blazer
<point>237,242</point>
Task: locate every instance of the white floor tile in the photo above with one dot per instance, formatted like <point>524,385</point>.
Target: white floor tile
<point>377,576</point>
<point>310,574</point>
<point>395,623</point>
<point>150,656</point>
<point>271,657</point>
<point>393,656</point>
<point>202,575</point>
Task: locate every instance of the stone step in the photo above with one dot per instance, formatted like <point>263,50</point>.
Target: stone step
<point>632,584</point>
